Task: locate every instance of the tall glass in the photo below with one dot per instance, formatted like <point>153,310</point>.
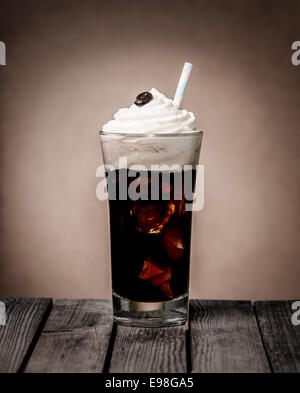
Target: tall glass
<point>151,182</point>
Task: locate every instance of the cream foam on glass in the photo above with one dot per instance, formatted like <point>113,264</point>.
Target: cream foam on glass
<point>130,133</point>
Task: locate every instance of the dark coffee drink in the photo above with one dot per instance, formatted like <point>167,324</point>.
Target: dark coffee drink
<point>150,239</point>
<point>151,206</point>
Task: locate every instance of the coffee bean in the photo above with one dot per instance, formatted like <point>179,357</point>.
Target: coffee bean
<point>143,98</point>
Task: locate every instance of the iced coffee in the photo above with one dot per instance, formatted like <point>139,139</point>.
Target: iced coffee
<point>151,150</point>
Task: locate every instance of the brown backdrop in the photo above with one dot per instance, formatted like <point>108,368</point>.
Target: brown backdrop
<point>71,64</point>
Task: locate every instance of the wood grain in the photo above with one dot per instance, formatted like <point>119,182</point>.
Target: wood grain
<point>24,318</point>
<point>281,338</point>
<point>225,338</point>
<point>149,350</point>
<point>75,338</point>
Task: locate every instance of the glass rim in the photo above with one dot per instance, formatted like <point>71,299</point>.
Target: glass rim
<point>161,135</point>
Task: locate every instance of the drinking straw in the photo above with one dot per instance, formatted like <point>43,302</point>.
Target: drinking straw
<point>182,84</point>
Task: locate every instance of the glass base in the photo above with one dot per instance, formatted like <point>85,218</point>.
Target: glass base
<point>150,314</point>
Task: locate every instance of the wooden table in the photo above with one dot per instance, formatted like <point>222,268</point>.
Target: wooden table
<point>42,335</point>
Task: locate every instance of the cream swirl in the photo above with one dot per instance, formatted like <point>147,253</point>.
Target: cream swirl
<point>159,115</point>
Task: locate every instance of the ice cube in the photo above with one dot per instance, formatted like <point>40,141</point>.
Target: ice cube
<point>173,242</point>
<point>152,216</point>
<point>179,206</point>
<point>157,275</point>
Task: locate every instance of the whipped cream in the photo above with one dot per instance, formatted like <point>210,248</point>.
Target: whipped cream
<point>155,133</point>
<point>158,116</point>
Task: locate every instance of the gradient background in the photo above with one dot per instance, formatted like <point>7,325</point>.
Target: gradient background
<point>71,64</point>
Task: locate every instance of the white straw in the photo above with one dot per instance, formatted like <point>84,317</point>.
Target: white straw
<point>182,84</point>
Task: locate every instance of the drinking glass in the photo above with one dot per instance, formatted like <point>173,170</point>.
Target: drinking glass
<point>151,180</point>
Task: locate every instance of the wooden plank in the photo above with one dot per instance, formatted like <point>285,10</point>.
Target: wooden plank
<point>152,350</point>
<point>75,338</point>
<point>24,319</point>
<point>280,336</point>
<point>225,338</point>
